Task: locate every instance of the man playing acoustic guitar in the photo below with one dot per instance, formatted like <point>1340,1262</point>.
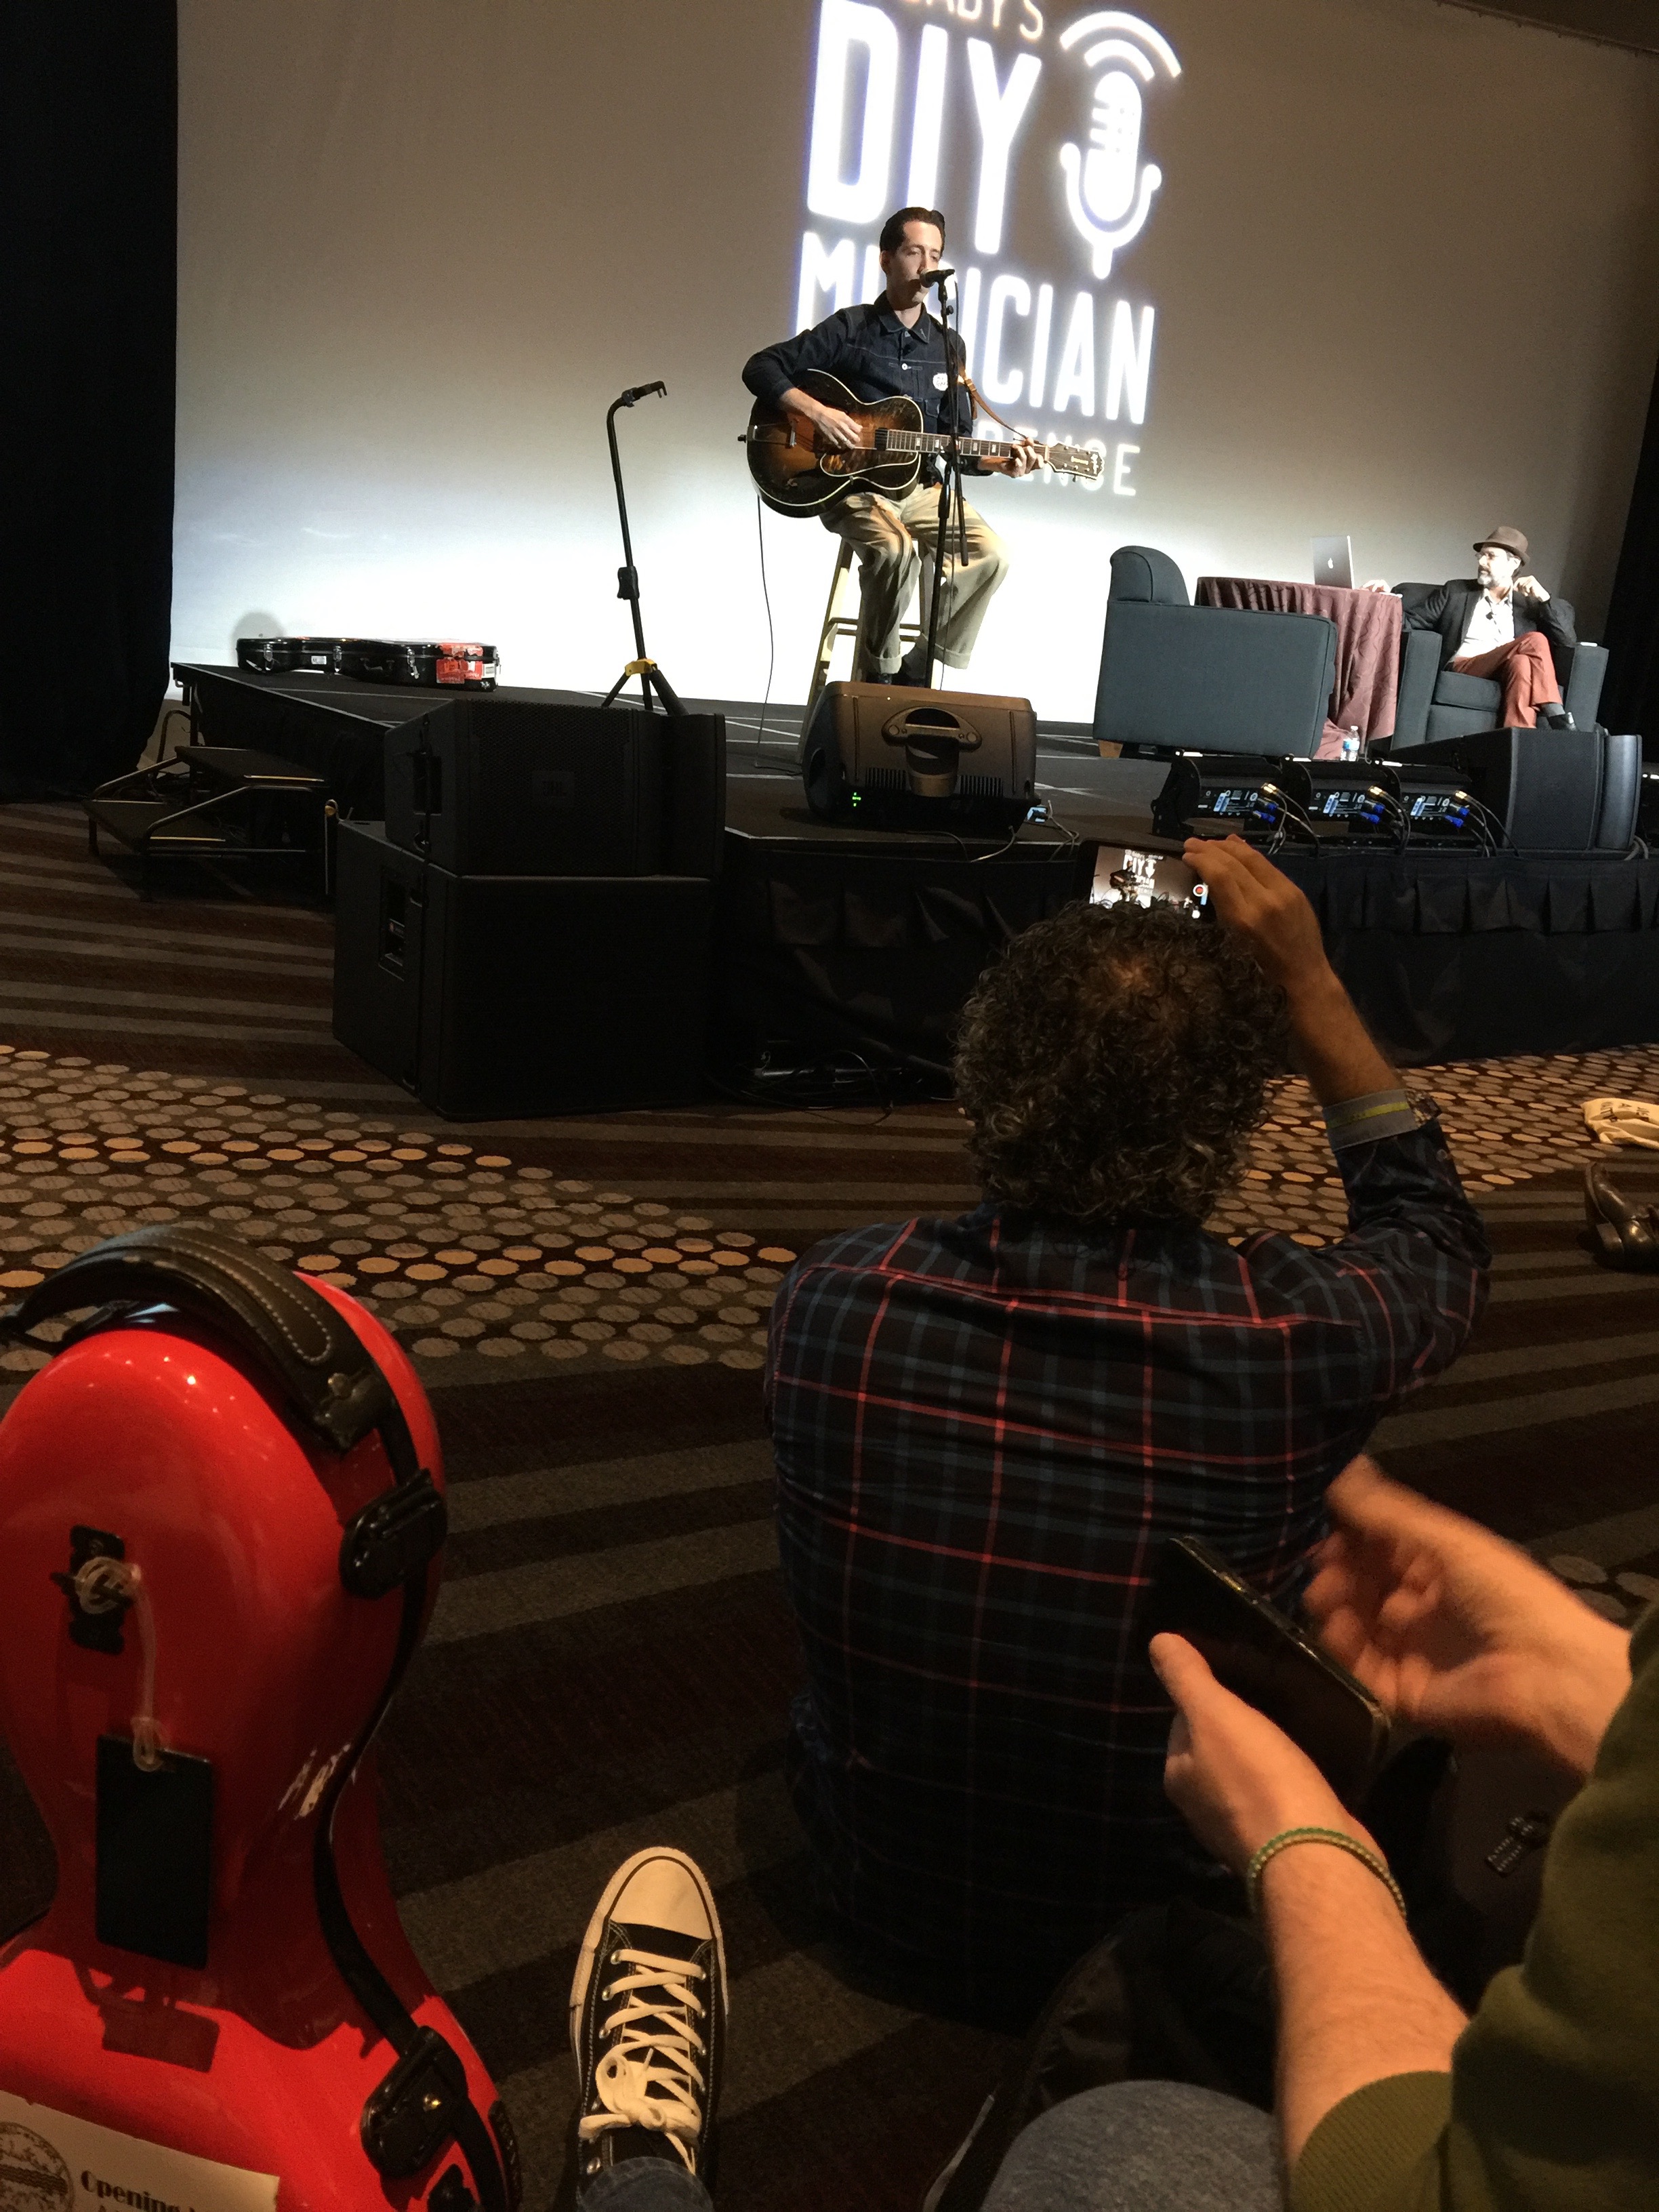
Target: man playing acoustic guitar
<point>894,346</point>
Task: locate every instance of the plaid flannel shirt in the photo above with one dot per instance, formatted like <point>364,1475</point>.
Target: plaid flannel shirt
<point>984,1429</point>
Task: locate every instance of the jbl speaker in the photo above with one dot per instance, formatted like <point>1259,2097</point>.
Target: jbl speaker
<point>890,752</point>
<point>1554,791</point>
<point>493,785</point>
<point>504,995</point>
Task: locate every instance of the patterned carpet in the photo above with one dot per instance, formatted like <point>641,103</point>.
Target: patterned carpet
<point>430,1231</point>
<point>610,1660</point>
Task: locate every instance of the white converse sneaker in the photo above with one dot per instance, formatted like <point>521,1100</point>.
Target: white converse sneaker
<point>648,2018</point>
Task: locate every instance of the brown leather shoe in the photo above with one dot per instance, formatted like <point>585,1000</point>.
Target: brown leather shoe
<point>1625,1236</point>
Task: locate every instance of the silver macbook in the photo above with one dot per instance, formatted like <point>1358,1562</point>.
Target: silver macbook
<point>1333,561</point>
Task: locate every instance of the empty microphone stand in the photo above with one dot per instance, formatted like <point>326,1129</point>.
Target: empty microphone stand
<point>628,576</point>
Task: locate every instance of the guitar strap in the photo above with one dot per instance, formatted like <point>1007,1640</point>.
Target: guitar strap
<point>986,408</point>
<point>981,402</point>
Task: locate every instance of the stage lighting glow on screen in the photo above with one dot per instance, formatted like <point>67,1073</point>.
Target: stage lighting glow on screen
<point>1029,126</point>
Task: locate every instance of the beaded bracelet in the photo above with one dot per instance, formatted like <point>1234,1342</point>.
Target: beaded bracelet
<point>1334,1836</point>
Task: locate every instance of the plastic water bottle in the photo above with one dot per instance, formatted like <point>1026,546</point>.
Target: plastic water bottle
<point>1353,744</point>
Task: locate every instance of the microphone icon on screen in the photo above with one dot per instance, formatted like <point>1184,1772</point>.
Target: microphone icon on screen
<point>1108,195</point>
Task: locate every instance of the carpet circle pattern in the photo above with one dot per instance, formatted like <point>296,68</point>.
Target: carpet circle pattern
<point>455,1247</point>
<point>468,1256</point>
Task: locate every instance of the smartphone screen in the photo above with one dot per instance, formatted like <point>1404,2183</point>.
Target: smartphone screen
<point>1261,1655</point>
<point>1125,876</point>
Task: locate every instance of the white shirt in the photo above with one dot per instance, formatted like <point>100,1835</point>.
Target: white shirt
<point>1491,623</point>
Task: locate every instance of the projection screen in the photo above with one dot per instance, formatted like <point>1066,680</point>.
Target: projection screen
<point>1255,257</point>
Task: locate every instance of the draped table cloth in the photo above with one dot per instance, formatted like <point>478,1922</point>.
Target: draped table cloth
<point>1368,626</point>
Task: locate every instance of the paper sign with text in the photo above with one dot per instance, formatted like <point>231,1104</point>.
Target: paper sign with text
<point>51,2162</point>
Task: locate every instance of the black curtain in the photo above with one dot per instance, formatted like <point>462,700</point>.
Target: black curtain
<point>1631,701</point>
<point>89,104</point>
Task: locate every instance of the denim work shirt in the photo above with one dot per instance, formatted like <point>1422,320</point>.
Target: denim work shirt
<point>876,357</point>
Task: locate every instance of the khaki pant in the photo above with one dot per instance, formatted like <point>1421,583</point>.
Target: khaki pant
<point>894,539</point>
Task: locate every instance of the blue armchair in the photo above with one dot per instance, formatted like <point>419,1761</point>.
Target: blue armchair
<point>1438,702</point>
<point>1208,679</point>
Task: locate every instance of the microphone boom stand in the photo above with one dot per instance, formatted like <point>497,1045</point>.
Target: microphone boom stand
<point>628,576</point>
<point>950,492</point>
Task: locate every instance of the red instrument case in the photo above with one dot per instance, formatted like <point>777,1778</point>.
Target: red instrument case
<point>457,663</point>
<point>221,1521</point>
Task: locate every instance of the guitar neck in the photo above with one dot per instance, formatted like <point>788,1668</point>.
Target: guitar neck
<point>933,441</point>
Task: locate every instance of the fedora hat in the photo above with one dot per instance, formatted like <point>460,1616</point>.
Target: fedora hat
<point>1507,540</point>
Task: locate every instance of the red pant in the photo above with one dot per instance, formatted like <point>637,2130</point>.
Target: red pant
<point>1527,674</point>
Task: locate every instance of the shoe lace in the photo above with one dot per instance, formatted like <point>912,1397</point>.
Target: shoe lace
<point>649,2077</point>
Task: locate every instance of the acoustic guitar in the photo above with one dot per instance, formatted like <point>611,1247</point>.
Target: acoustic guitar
<point>796,472</point>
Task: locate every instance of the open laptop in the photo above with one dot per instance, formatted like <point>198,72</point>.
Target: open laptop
<point>1333,561</point>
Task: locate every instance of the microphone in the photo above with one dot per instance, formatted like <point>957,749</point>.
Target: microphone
<point>642,391</point>
<point>936,276</point>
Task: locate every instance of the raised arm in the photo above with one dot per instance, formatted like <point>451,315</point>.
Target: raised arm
<point>1256,902</point>
<point>1553,2101</point>
<point>1409,1276</point>
<point>1552,614</point>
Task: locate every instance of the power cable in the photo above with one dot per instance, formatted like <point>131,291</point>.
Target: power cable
<point>771,634</point>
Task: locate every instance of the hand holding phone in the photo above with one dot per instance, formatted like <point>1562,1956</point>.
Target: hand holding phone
<point>1234,1779</point>
<point>1263,1657</point>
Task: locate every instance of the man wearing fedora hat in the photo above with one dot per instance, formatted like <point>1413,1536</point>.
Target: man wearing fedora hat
<point>1501,623</point>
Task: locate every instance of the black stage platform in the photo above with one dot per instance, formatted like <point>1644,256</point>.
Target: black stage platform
<point>337,727</point>
<point>330,724</point>
<point>869,942</point>
<point>866,941</point>
<point>834,939</point>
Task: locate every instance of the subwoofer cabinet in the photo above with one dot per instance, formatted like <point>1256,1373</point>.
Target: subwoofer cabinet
<point>497,784</point>
<point>1553,791</point>
<point>492,996</point>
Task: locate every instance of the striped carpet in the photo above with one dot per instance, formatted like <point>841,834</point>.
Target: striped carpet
<point>610,1660</point>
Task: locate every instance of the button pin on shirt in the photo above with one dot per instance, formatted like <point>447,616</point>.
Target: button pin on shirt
<point>940,380</point>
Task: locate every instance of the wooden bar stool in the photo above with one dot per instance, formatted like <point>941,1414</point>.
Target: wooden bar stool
<point>837,624</point>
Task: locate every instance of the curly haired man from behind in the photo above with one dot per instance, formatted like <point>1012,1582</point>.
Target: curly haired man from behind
<point>985,1428</point>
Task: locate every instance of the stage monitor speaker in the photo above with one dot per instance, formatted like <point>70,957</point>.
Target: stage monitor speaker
<point>498,995</point>
<point>492,785</point>
<point>892,754</point>
<point>1554,791</point>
